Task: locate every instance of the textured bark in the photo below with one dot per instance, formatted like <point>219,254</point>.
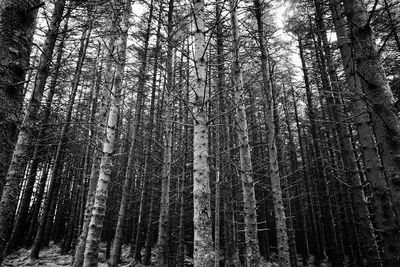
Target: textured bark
<point>253,256</point>
<point>280,218</point>
<point>203,245</point>
<point>150,129</point>
<point>20,156</point>
<point>118,238</point>
<point>383,211</point>
<point>17,25</point>
<point>99,207</point>
<point>219,135</point>
<point>369,246</point>
<point>94,174</point>
<point>162,241</point>
<point>284,180</point>
<point>376,89</point>
<point>93,132</point>
<point>52,192</point>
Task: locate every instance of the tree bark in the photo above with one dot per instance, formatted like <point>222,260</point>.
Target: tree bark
<point>162,242</point>
<point>99,206</point>
<point>280,218</point>
<point>253,256</point>
<point>383,211</point>
<point>376,89</point>
<point>48,211</point>
<point>118,238</point>
<point>20,156</point>
<point>17,25</point>
<point>369,246</point>
<point>94,173</point>
<point>203,245</point>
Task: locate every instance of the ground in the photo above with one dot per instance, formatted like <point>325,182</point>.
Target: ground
<point>51,257</point>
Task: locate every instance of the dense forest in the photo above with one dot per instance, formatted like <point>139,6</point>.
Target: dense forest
<point>200,133</point>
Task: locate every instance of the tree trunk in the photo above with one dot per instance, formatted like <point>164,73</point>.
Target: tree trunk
<point>99,206</point>
<point>20,157</point>
<point>384,215</point>
<point>150,129</point>
<point>36,205</point>
<point>294,164</point>
<point>280,218</point>
<point>21,220</point>
<point>369,246</point>
<point>118,238</point>
<point>17,25</point>
<point>376,89</point>
<point>94,174</point>
<point>162,242</point>
<point>48,210</point>
<point>203,245</point>
<point>253,257</point>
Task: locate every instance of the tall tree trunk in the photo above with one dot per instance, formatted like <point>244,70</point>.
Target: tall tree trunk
<point>218,165</point>
<point>321,182</point>
<point>162,242</point>
<point>17,25</point>
<point>294,164</point>
<point>253,256</point>
<point>376,89</point>
<point>203,245</point>
<point>94,173</point>
<point>280,218</point>
<point>285,181</point>
<point>369,246</point>
<point>20,157</point>
<point>384,215</point>
<point>117,244</point>
<point>150,129</point>
<point>99,207</point>
<point>49,208</point>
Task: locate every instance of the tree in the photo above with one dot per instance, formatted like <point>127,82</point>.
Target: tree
<point>203,247</point>
<point>98,212</point>
<point>17,18</point>
<point>20,157</point>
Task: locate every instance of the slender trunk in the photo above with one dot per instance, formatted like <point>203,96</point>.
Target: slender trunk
<point>36,205</point>
<point>280,218</point>
<point>94,174</point>
<point>302,203</point>
<point>47,215</point>
<point>21,220</point>
<point>149,145</point>
<point>162,242</point>
<point>285,181</point>
<point>20,156</point>
<point>99,206</point>
<point>203,245</point>
<point>250,216</point>
<point>321,180</point>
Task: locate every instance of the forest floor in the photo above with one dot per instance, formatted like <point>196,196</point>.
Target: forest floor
<point>51,257</point>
